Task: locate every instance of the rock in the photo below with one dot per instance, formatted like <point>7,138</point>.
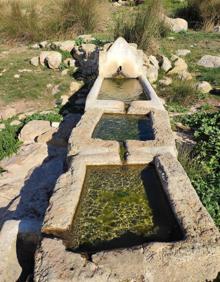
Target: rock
<point>55,89</point>
<point>51,58</point>
<point>65,99</point>
<point>204,87</point>
<point>7,112</point>
<point>18,241</point>
<point>15,123</point>
<point>35,46</point>
<point>75,86</point>
<point>166,81</point>
<point>67,45</point>
<point>17,76</point>
<point>43,44</point>
<point>86,37</point>
<point>64,72</point>
<point>152,73</point>
<point>25,70</point>
<point>176,25</point>
<point>182,52</point>
<point>33,129</point>
<point>209,61</point>
<point>154,61</point>
<point>69,62</point>
<point>54,59</point>
<point>185,75</point>
<point>35,61</point>
<point>166,64</point>
<point>43,56</point>
<point>216,28</point>
<point>55,124</point>
<point>180,66</point>
<point>47,136</point>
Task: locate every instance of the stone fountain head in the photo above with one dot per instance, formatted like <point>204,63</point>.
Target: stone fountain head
<point>121,59</point>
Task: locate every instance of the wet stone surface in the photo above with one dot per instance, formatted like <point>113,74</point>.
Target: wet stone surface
<point>122,89</point>
<point>121,206</point>
<point>124,127</point>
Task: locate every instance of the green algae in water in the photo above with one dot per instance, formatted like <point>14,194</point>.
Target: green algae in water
<point>121,206</point>
<point>124,127</point>
<point>122,89</point>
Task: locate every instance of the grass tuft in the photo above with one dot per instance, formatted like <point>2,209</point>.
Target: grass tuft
<point>142,25</point>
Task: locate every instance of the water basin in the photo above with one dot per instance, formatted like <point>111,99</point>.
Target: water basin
<point>123,127</point>
<point>121,206</point>
<point>122,89</point>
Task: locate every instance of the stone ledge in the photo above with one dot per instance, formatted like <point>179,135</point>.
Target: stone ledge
<point>81,141</point>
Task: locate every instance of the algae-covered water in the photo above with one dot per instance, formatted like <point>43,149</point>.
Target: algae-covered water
<point>122,127</point>
<point>121,206</point>
<point>122,89</point>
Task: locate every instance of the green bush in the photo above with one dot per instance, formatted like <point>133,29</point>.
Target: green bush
<point>143,25</point>
<point>203,165</point>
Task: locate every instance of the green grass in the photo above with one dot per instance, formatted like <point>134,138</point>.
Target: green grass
<point>202,164</point>
<point>179,95</point>
<point>9,142</point>
<point>30,85</point>
<point>204,44</point>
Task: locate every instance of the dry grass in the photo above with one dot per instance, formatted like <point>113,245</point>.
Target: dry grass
<point>142,26</point>
<point>35,20</point>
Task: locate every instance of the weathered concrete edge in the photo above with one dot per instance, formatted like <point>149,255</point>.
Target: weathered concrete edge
<point>81,141</point>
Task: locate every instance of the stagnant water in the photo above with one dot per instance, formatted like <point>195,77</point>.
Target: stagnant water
<point>122,89</point>
<point>121,206</point>
<point>122,127</point>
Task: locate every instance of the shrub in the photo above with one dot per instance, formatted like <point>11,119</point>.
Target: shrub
<point>18,23</point>
<point>31,20</point>
<point>143,25</point>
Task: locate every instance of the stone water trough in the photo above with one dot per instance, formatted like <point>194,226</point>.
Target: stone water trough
<point>125,210</point>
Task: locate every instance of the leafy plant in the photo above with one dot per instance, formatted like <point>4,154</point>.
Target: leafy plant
<point>79,41</point>
<point>203,165</point>
<point>9,142</point>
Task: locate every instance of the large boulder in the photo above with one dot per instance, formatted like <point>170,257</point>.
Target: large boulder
<point>33,129</point>
<point>209,61</point>
<point>176,25</point>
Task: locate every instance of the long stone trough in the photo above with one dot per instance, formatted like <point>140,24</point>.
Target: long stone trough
<point>193,256</point>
